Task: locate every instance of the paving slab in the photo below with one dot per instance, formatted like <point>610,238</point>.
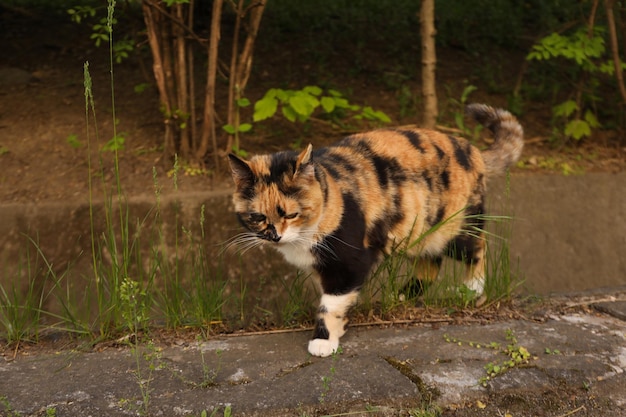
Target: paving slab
<point>391,369</point>
<point>614,308</point>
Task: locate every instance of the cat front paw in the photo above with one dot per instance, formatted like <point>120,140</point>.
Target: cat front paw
<point>477,285</point>
<point>323,347</point>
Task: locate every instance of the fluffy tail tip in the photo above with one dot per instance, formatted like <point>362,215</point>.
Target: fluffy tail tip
<point>484,114</point>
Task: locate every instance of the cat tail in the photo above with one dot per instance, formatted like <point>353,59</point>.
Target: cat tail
<point>507,133</point>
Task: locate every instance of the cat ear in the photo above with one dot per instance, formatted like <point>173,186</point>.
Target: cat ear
<point>242,174</point>
<point>302,163</point>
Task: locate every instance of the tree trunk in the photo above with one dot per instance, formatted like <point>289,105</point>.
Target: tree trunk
<point>429,63</point>
<point>153,29</point>
<point>232,110</point>
<point>241,63</point>
<point>208,124</point>
<point>608,4</point>
<point>169,30</point>
<point>245,60</point>
<point>181,113</point>
<point>193,131</point>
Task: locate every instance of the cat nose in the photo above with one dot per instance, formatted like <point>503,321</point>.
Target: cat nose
<point>270,234</point>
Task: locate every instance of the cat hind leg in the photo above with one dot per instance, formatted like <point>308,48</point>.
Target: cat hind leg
<point>426,271</point>
<point>331,323</point>
<point>470,249</point>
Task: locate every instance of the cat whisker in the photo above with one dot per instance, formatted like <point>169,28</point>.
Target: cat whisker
<point>309,237</point>
<point>242,242</point>
<point>343,242</point>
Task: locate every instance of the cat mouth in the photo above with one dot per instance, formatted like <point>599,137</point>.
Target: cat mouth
<point>270,235</point>
<point>275,239</point>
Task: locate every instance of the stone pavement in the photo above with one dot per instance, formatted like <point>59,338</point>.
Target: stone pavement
<point>578,356</point>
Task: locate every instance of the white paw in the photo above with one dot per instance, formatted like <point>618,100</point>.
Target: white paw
<point>323,347</point>
<point>477,285</point>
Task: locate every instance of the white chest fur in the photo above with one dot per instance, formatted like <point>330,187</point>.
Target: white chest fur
<point>298,254</point>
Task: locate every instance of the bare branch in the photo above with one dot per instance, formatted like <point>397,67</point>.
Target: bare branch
<point>608,4</point>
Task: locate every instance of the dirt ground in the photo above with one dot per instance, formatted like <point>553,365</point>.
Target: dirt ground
<point>45,138</point>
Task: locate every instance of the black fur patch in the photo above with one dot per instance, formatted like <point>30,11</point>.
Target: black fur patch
<point>464,246</point>
<point>414,138</point>
<point>438,217</point>
<point>461,154</point>
<point>321,331</point>
<point>440,153</point>
<point>333,163</point>
<point>388,170</point>
<point>348,273</point>
<point>444,179</point>
<point>428,180</point>
<point>281,163</point>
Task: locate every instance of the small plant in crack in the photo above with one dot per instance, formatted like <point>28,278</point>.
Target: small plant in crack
<point>428,393</point>
<point>134,313</point>
<point>7,408</point>
<point>209,375</point>
<point>227,412</point>
<point>327,379</point>
<point>549,351</point>
<point>516,355</point>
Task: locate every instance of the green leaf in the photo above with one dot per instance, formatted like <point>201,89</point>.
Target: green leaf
<point>303,104</point>
<point>372,114</point>
<point>591,119</point>
<point>265,108</point>
<point>299,105</point>
<point>283,95</point>
<point>607,67</point>
<point>313,90</point>
<point>578,129</point>
<point>342,103</point>
<point>140,88</point>
<point>459,119</point>
<point>312,101</point>
<point>115,144</point>
<point>289,113</point>
<point>245,127</point>
<point>467,91</point>
<point>272,92</point>
<point>230,129</point>
<point>565,109</point>
<point>73,141</point>
<point>243,102</point>
<point>328,104</point>
<point>535,54</point>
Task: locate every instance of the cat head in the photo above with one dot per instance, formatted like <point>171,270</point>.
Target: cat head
<point>277,197</point>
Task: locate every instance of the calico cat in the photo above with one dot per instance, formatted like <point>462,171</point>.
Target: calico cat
<point>334,210</point>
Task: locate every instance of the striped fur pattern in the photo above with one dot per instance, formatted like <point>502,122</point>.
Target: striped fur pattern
<point>334,210</point>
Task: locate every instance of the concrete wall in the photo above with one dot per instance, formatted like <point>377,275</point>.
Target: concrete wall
<point>569,233</point>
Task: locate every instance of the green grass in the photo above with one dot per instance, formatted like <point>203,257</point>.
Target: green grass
<point>147,273</point>
<point>383,293</point>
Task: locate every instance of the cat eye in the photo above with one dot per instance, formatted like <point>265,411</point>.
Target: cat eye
<point>291,216</point>
<point>257,218</point>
